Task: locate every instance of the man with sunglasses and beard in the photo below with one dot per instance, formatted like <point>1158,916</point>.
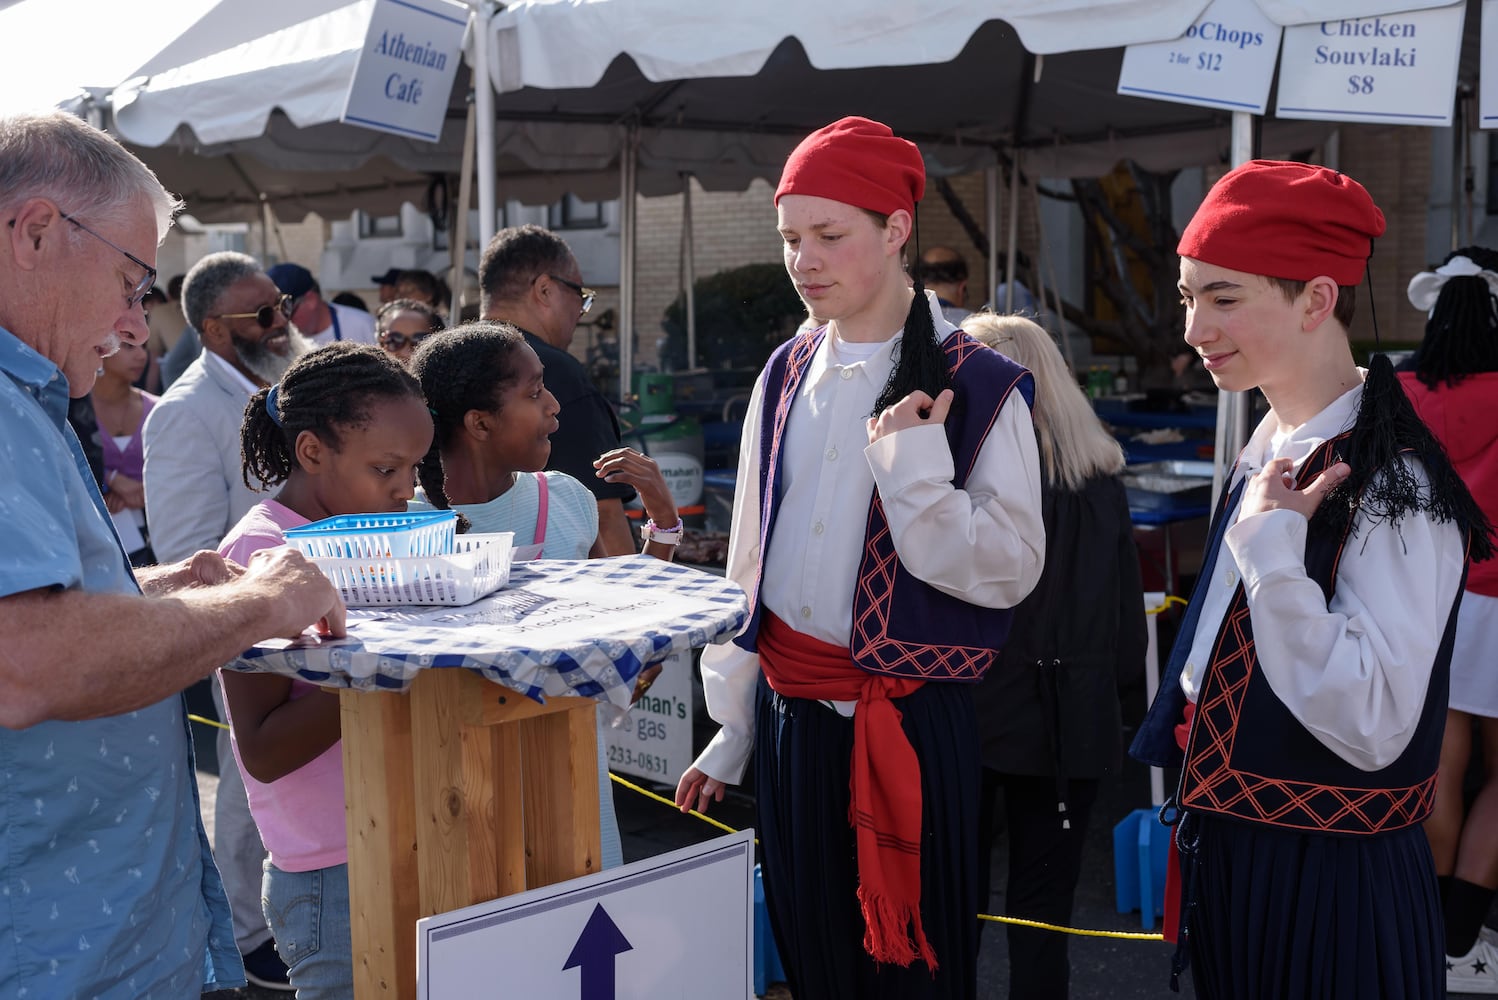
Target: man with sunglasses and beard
<point>195,493</point>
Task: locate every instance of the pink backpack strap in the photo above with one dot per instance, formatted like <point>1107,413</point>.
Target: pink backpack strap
<point>541,503</point>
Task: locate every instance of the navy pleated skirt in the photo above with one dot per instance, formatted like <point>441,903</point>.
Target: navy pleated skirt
<point>1297,916</point>
<point>802,755</point>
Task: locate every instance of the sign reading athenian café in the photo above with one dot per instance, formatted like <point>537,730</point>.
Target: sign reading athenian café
<point>1399,68</point>
<point>407,67</point>
<point>1224,60</point>
<point>1487,106</point>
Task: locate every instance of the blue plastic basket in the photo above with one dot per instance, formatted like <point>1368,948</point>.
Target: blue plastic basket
<point>377,536</point>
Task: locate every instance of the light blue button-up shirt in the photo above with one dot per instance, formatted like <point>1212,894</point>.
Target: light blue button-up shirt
<point>107,886</point>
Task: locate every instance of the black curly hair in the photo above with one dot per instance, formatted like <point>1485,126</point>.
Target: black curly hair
<point>1461,336</point>
<point>323,391</point>
<point>467,368</point>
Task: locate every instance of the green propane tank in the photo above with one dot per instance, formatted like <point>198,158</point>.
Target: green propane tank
<point>674,441</point>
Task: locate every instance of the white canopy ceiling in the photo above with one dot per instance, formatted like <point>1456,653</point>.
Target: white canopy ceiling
<point>718,88</point>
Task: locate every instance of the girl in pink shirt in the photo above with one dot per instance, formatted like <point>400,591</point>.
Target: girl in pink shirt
<point>342,433</point>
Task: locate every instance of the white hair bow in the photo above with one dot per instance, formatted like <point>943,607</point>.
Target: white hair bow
<point>1426,286</point>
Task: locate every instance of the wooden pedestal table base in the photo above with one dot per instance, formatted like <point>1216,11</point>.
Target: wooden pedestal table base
<point>458,791</point>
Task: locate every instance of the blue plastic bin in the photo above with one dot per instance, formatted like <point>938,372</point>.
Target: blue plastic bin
<point>767,967</point>
<point>1141,845</point>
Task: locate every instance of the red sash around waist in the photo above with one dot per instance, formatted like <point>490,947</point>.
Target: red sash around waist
<point>885,783</point>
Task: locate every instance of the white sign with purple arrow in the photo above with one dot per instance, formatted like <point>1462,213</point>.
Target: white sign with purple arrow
<point>640,932</point>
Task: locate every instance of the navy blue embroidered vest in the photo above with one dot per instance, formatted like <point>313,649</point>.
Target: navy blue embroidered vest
<point>894,614</point>
<point>1273,770</point>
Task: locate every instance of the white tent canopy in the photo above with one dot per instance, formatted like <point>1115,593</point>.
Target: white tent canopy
<point>716,89</point>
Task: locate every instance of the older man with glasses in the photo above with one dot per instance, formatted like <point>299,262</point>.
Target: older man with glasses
<point>107,886</point>
<point>529,279</point>
<point>195,492</point>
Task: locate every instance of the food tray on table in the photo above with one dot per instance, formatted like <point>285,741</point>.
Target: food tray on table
<point>377,536</point>
<point>1168,485</point>
<point>478,564</point>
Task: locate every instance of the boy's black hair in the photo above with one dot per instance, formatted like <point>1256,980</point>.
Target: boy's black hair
<point>324,391</point>
<point>468,368</point>
<point>1461,336</point>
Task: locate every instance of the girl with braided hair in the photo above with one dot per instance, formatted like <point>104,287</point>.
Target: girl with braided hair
<point>341,433</point>
<point>1452,379</point>
<point>494,420</point>
<point>887,516</point>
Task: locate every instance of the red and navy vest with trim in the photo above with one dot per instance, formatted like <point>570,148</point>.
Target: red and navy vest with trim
<point>895,615</point>
<point>1247,756</point>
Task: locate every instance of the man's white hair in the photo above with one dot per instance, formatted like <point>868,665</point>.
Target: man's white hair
<point>84,171</point>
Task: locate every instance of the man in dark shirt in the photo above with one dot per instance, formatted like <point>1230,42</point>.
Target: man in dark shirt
<point>529,279</point>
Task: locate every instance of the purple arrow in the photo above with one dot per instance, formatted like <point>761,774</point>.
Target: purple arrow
<point>595,951</point>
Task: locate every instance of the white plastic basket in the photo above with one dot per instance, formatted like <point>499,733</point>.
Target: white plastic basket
<point>377,536</point>
<point>478,565</point>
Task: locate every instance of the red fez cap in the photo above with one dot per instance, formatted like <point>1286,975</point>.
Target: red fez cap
<point>857,162</point>
<point>1286,220</point>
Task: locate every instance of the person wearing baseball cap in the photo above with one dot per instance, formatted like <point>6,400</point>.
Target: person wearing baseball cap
<point>887,515</point>
<point>387,283</point>
<point>1305,697</point>
<point>320,320</point>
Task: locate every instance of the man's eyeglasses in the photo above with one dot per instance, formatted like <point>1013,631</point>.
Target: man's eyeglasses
<point>397,341</point>
<point>146,281</point>
<point>586,294</point>
<point>265,315</point>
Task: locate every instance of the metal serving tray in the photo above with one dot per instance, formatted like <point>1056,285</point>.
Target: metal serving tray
<point>1168,485</point>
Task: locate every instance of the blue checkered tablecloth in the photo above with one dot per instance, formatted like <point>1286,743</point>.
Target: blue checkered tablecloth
<point>560,627</point>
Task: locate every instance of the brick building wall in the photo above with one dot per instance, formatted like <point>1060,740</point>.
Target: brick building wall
<point>1394,163</point>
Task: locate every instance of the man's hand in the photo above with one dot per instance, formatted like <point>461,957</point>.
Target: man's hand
<point>204,568</point>
<point>914,410</point>
<point>299,594</point>
<point>126,492</point>
<point>696,791</point>
<point>1273,488</point>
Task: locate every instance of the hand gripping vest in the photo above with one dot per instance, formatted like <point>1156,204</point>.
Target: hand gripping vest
<point>896,616</point>
<point>1249,758</point>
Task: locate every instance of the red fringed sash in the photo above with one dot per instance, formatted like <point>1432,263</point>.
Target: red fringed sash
<point>885,786</point>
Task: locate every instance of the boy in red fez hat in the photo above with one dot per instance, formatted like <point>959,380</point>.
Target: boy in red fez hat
<point>1306,693</point>
<point>887,515</point>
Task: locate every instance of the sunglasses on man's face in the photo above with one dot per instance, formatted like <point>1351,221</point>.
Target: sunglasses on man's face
<point>586,294</point>
<point>395,341</point>
<point>265,315</point>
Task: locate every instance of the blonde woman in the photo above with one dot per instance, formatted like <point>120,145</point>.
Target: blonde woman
<point>1048,710</point>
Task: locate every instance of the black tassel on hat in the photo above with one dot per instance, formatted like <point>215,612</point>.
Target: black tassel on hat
<point>1386,435</point>
<point>920,361</point>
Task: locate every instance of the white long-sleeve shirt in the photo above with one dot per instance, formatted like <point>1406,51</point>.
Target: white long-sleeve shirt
<point>984,544</point>
<point>1353,671</point>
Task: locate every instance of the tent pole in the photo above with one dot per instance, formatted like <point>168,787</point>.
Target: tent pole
<point>1012,247</point>
<point>1232,407</point>
<point>483,100</point>
<point>628,189</point>
<point>458,248</point>
<point>991,196</point>
<point>689,268</point>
